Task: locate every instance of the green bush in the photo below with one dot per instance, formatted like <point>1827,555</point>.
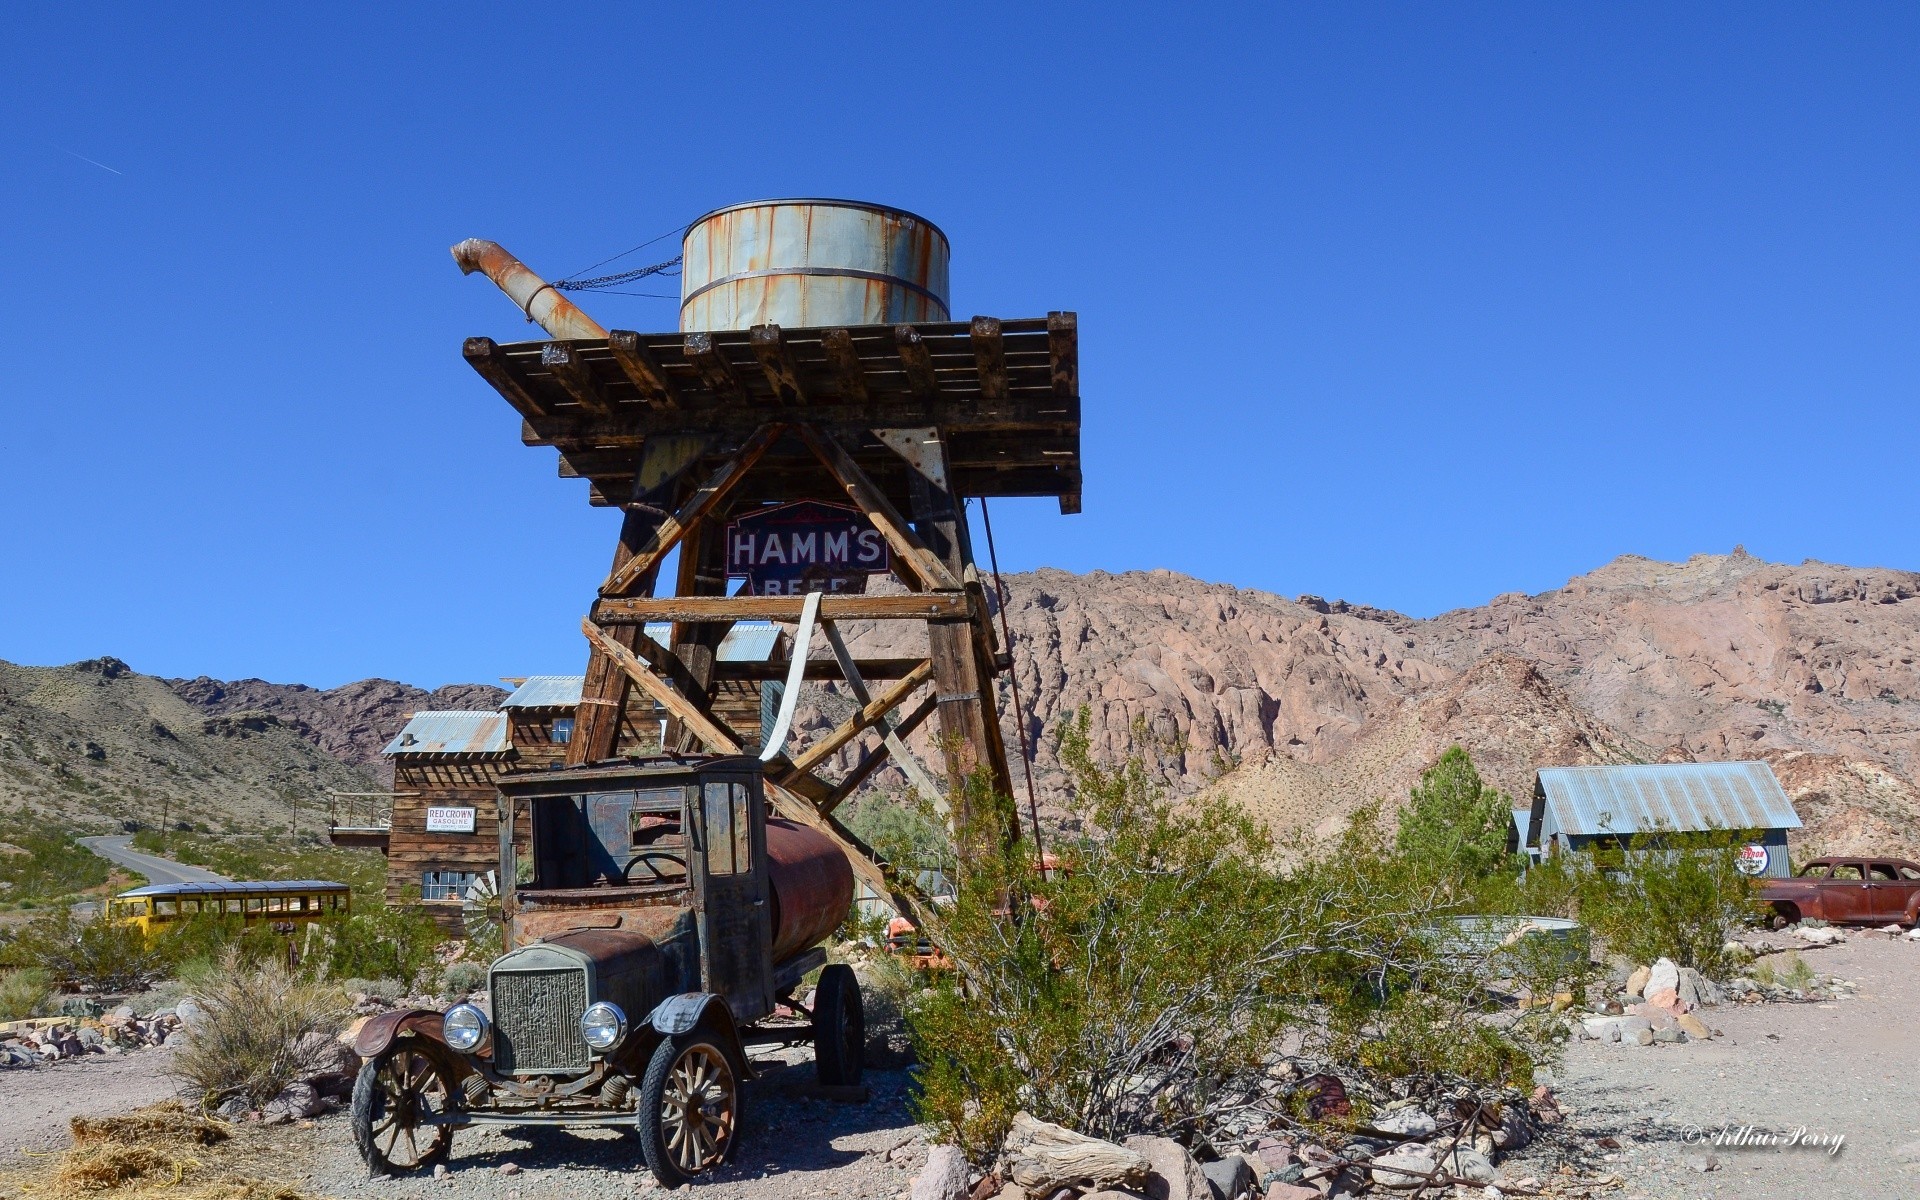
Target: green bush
<point>24,993</point>
<point>463,978</point>
<point>384,942</point>
<point>1137,989</point>
<point>1454,827</point>
<point>98,954</point>
<point>49,865</point>
<point>1669,898</point>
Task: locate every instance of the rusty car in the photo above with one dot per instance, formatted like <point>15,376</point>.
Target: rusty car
<point>663,926</point>
<point>1846,889</point>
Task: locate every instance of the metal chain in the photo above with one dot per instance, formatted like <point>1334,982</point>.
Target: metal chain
<point>669,268</point>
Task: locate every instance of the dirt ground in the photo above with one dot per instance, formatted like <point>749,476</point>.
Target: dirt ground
<point>1845,1068</point>
<point>1842,1068</point>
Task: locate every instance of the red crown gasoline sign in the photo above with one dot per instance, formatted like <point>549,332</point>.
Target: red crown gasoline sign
<point>806,546</point>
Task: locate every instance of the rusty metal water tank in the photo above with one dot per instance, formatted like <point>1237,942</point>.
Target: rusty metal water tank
<point>811,263</point>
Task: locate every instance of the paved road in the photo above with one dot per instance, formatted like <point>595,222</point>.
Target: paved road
<point>156,869</point>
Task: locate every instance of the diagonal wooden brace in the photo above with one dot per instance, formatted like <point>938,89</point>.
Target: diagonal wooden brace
<point>704,501</point>
<point>924,567</point>
<point>888,736</point>
<point>868,715</point>
<point>876,758</point>
<point>692,714</point>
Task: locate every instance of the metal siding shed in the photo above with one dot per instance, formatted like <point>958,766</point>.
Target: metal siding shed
<point>1679,797</point>
<point>452,733</point>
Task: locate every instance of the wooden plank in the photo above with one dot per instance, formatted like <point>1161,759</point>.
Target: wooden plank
<point>638,363</point>
<point>704,501</point>
<point>1022,412</point>
<point>1063,349</point>
<point>563,363</point>
<point>697,722</point>
<point>492,365</point>
<point>863,719</point>
<point>912,559</point>
<point>916,606</point>
<point>915,361</point>
<point>816,668</point>
<point>857,686</point>
<point>837,344</point>
<point>776,360</point>
<point>715,371</point>
<point>989,359</point>
<point>877,757</point>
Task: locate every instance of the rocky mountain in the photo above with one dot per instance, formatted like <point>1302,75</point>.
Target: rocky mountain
<point>95,744</point>
<point>1300,709</point>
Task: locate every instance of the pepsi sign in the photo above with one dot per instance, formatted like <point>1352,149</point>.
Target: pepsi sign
<point>806,546</point>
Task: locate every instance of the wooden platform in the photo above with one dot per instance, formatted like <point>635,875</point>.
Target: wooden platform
<point>1005,395</point>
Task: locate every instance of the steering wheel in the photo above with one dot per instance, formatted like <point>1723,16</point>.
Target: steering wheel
<point>648,857</point>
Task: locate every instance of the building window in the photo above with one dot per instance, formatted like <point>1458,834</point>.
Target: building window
<point>445,885</point>
<point>562,730</point>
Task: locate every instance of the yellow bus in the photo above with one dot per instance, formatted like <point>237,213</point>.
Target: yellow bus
<point>275,902</point>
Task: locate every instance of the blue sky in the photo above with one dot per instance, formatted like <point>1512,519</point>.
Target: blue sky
<point>1411,305</point>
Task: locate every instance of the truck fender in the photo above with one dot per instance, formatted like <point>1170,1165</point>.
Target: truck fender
<point>381,1031</point>
<point>682,1013</point>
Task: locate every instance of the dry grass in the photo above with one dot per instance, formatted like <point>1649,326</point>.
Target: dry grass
<point>250,1042</point>
<point>160,1153</point>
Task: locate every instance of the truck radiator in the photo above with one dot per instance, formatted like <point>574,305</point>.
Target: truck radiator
<point>536,1020</point>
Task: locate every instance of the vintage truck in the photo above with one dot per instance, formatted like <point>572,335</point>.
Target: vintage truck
<point>663,922</point>
<point>1846,889</point>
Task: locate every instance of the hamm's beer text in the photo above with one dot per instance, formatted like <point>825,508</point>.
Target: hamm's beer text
<point>793,549</point>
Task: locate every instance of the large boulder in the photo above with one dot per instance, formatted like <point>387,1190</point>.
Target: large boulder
<point>1043,1157</point>
<point>944,1177</point>
<point>1172,1173</point>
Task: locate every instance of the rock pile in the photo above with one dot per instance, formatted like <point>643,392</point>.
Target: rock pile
<point>1437,1142</point>
<point>115,1032</point>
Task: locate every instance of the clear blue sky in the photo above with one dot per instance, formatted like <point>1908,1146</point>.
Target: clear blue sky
<point>1411,305</point>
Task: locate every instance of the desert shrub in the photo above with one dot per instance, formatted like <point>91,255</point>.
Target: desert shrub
<point>98,954</point>
<point>46,865</point>
<point>462,978</point>
<point>1137,989</point>
<point>24,992</point>
<point>1454,826</point>
<point>195,942</point>
<point>1663,900</point>
<point>251,1038</point>
<point>392,941</point>
<point>386,989</point>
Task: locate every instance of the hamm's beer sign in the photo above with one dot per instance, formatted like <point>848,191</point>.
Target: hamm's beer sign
<point>807,546</point>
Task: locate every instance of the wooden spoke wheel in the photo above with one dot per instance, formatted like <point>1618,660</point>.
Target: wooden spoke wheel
<point>839,1027</point>
<point>394,1094</point>
<point>689,1108</point>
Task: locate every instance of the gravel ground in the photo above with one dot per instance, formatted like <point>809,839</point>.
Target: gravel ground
<point>792,1148</point>
<point>35,1102</point>
<point>1844,1068</point>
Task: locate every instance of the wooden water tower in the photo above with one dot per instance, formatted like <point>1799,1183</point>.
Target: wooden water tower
<point>816,398</point>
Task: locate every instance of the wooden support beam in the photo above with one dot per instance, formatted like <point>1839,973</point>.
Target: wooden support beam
<point>491,363</point>
<point>916,606</point>
<point>864,719</point>
<point>837,345</point>
<point>562,361</point>
<point>703,501</point>
<point>911,557</point>
<point>714,735</point>
<point>876,758</point>
<point>889,738</point>
<point>916,361</point>
<point>816,668</point>
<point>642,369</point>
<point>1019,414</point>
<point>715,371</point>
<point>776,360</point>
<point>603,694</point>
<point>1063,348</point>
<point>990,359</point>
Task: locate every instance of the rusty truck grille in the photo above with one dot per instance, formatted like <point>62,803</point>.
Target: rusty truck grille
<point>536,1021</point>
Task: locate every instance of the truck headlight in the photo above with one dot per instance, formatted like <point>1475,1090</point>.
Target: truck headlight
<point>464,1027</point>
<point>603,1025</point>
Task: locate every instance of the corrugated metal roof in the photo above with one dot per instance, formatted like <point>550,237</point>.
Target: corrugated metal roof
<point>235,889</point>
<point>452,733</point>
<point>547,691</point>
<point>1522,823</point>
<point>747,641</point>
<point>1662,796</point>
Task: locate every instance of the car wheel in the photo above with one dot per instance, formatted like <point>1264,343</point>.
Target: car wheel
<point>395,1095</point>
<point>1785,915</point>
<point>690,1108</point>
<point>839,1027</point>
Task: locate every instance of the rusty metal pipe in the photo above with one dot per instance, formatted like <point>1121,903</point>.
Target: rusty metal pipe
<point>542,303</point>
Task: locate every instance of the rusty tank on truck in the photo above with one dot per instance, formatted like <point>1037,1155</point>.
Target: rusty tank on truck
<point>658,922</point>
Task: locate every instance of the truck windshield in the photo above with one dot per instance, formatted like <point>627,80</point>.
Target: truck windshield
<point>627,838</point>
